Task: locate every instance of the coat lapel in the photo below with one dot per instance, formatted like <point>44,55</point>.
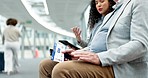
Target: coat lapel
<point>118,14</point>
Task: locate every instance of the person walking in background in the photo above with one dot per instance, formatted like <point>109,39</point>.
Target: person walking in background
<point>98,12</point>
<point>96,17</point>
<point>11,36</point>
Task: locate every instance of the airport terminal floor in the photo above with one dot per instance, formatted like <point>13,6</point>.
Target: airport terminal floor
<point>28,67</point>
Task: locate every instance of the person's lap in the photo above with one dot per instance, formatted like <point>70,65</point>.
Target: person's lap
<point>74,69</point>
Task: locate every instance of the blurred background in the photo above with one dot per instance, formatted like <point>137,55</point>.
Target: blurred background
<point>42,23</point>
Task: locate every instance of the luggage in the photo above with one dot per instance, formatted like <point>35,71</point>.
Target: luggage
<point>1,61</point>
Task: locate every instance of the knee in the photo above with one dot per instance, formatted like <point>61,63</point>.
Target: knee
<point>47,65</point>
<point>61,70</point>
<point>43,64</point>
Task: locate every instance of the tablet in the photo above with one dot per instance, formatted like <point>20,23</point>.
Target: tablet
<point>65,42</point>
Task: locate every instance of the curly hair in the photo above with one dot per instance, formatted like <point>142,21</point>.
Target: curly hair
<point>11,21</point>
<point>94,15</point>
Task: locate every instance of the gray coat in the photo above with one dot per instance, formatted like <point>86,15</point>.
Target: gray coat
<point>127,41</point>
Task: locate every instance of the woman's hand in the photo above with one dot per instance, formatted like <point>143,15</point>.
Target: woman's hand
<point>77,31</point>
<point>87,56</point>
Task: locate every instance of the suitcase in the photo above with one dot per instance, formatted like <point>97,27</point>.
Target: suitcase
<point>1,58</point>
<point>1,61</point>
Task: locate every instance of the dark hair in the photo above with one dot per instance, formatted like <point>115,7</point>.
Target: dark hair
<point>94,15</point>
<point>11,21</point>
